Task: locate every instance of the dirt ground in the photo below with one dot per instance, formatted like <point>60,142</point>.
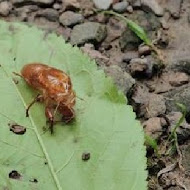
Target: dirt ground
<point>152,83</point>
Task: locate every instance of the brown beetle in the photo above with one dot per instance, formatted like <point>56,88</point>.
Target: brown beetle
<point>55,90</point>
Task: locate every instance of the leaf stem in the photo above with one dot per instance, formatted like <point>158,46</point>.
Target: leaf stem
<point>41,144</point>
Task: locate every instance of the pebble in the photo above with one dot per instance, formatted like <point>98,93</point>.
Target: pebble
<point>130,9</point>
<point>177,78</point>
<point>152,5</point>
<point>140,68</point>
<point>71,5</point>
<point>163,39</point>
<point>70,18</point>
<point>88,32</point>
<point>147,104</point>
<point>181,64</point>
<point>120,7</point>
<point>135,3</point>
<point>57,6</point>
<point>122,79</point>
<point>174,8</point>
<point>103,4</point>
<point>129,55</point>
<point>5,8</point>
<point>129,41</point>
<point>50,14</point>
<point>144,50</point>
<point>154,127</point>
<point>155,106</point>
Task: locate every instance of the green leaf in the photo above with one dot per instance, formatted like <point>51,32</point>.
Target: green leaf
<point>149,141</point>
<point>138,30</point>
<point>105,126</point>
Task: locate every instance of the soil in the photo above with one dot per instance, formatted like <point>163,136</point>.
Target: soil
<point>152,83</point>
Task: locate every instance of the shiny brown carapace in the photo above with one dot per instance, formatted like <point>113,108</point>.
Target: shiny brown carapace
<point>55,90</point>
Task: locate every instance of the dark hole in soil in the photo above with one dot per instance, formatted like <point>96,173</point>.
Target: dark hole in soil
<point>85,156</point>
<point>14,175</point>
<point>14,58</point>
<point>33,180</point>
<point>187,117</point>
<point>17,129</point>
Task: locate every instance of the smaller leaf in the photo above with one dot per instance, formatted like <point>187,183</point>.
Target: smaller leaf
<point>183,109</point>
<point>138,30</point>
<point>151,142</point>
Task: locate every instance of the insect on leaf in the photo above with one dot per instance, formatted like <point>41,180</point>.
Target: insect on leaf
<point>102,149</point>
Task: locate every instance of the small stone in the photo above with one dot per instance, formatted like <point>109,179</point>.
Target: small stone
<point>5,8</point>
<point>129,55</point>
<point>120,7</point>
<point>144,50</point>
<point>50,14</point>
<point>123,80</point>
<point>129,9</point>
<point>103,4</point>
<point>70,18</point>
<point>178,78</point>
<point>57,6</point>
<point>152,5</point>
<point>163,39</point>
<point>147,104</point>
<point>129,41</point>
<point>88,32</point>
<point>135,3</point>
<point>45,24</point>
<point>174,8</point>
<point>181,64</point>
<point>66,33</point>
<point>140,67</point>
<point>155,106</point>
<point>153,127</point>
<point>70,4</point>
<point>94,54</point>
<point>114,30</point>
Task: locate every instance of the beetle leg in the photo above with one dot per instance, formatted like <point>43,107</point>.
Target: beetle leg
<point>49,114</point>
<point>17,74</point>
<point>36,99</point>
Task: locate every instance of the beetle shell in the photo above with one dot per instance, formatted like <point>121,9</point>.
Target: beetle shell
<point>55,86</point>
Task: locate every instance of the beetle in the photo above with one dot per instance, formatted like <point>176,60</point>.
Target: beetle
<point>55,90</point>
